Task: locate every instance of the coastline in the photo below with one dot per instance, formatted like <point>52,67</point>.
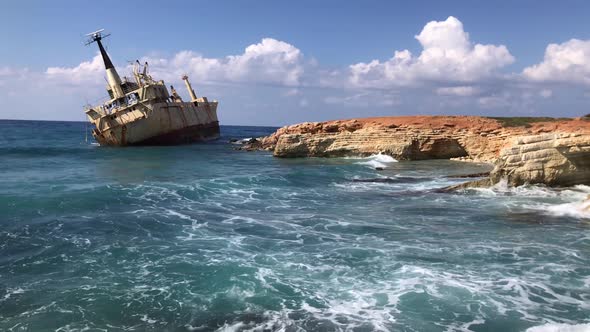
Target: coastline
<point>555,152</point>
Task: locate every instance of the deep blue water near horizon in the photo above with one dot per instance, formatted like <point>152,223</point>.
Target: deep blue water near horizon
<point>202,238</point>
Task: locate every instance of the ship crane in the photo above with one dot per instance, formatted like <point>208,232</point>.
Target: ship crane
<point>142,77</point>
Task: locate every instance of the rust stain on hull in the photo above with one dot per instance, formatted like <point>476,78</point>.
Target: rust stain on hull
<point>186,135</point>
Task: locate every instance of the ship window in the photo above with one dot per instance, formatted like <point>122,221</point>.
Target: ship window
<point>132,99</point>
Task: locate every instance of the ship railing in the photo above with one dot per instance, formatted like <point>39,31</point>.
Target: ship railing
<point>104,106</point>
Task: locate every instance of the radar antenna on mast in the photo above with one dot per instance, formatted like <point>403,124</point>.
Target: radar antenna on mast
<point>113,78</point>
<point>95,36</point>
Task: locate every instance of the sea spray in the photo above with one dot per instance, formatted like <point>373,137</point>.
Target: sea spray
<point>378,161</point>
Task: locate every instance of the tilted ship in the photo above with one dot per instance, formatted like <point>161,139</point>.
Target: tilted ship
<point>141,111</point>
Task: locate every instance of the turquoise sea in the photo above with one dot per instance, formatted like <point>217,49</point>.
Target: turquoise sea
<point>203,238</point>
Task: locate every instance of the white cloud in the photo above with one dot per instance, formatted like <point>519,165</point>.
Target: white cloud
<point>546,93</point>
<point>6,71</point>
<point>269,62</point>
<point>448,55</point>
<point>495,101</point>
<point>449,75</point>
<point>364,99</point>
<point>86,72</point>
<point>5,74</point>
<point>566,62</point>
<point>9,73</point>
<point>462,91</point>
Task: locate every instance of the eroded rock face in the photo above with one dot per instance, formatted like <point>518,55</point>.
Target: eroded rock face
<point>555,153</point>
<point>365,142</point>
<point>560,159</point>
<point>407,138</point>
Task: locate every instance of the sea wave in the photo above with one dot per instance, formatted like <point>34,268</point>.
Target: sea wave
<point>579,210</point>
<point>570,202</point>
<point>377,160</point>
<point>203,237</point>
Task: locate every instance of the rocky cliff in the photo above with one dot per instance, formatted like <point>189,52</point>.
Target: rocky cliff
<point>559,159</point>
<point>555,152</point>
<point>408,138</point>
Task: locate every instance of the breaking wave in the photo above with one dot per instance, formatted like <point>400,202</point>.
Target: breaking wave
<point>559,202</point>
<point>377,161</point>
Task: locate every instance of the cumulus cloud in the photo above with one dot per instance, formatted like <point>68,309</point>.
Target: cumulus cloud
<point>86,72</point>
<point>450,74</point>
<point>447,55</point>
<point>566,62</point>
<point>269,62</point>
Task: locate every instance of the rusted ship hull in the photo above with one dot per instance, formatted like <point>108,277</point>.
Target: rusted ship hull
<point>187,135</point>
<point>169,123</point>
<point>191,134</point>
<point>141,111</point>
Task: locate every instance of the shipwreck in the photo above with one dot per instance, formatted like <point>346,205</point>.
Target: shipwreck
<point>141,110</point>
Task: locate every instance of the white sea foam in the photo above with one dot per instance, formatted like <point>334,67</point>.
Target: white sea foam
<point>12,291</point>
<point>378,161</point>
<point>356,280</point>
<point>502,189</point>
<point>577,204</point>
<point>571,202</point>
<point>577,209</point>
<point>242,141</point>
<point>554,327</point>
<point>148,320</point>
<point>231,327</point>
<point>180,215</point>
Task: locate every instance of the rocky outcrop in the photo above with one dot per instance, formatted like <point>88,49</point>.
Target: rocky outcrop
<point>560,159</point>
<point>365,142</point>
<point>407,138</point>
<point>554,152</point>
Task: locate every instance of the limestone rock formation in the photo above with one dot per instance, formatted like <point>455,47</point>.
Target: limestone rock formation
<point>407,138</point>
<point>559,159</point>
<point>364,142</point>
<point>554,152</point>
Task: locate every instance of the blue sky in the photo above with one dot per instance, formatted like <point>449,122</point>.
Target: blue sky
<point>310,60</point>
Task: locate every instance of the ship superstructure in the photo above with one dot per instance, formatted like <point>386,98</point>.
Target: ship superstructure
<point>141,111</point>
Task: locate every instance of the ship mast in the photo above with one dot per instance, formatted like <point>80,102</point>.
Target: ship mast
<point>113,78</point>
